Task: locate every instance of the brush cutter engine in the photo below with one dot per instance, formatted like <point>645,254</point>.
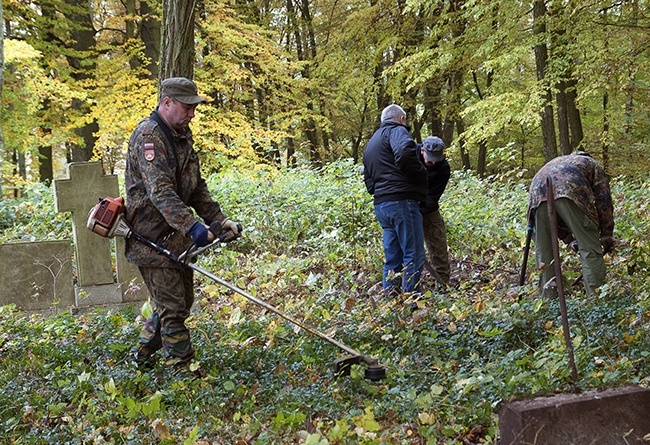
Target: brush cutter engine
<point>106,218</point>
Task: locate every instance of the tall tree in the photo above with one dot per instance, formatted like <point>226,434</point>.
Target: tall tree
<point>177,55</point>
<point>541,59</point>
<point>81,60</point>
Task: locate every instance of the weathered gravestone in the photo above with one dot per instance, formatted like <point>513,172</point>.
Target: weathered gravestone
<point>616,416</point>
<point>36,276</point>
<point>78,194</point>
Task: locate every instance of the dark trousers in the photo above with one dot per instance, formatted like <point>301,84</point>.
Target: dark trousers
<point>435,239</point>
<point>172,293</point>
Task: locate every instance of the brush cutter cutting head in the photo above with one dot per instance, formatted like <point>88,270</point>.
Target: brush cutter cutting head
<point>107,218</point>
<point>374,371</point>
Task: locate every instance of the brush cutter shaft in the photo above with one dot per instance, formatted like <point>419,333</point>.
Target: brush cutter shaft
<point>117,226</point>
<point>276,311</point>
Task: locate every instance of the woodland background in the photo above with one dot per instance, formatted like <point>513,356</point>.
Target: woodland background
<point>301,82</point>
<point>296,89</point>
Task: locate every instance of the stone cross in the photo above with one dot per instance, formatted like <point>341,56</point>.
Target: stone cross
<point>78,195</point>
<point>87,184</point>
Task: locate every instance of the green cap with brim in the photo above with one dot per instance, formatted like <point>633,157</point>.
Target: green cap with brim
<point>181,89</point>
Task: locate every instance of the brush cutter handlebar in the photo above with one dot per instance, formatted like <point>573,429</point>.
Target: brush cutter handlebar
<point>220,237</point>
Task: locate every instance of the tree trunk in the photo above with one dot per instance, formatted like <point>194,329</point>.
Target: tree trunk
<point>541,57</point>
<point>481,162</point>
<point>150,34</point>
<point>605,138</point>
<point>563,118</point>
<point>464,155</point>
<point>45,168</point>
<point>575,122</point>
<point>431,104</point>
<point>83,68</point>
<point>291,153</point>
<point>177,55</point>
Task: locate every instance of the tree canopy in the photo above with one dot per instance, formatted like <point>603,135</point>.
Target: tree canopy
<point>505,84</point>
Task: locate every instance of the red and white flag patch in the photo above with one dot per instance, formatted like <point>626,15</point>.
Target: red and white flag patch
<point>149,153</point>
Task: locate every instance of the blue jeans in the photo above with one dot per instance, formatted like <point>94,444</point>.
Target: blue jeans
<point>403,245</point>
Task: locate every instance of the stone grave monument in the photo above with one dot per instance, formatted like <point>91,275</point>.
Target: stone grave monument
<point>39,275</point>
<point>78,194</point>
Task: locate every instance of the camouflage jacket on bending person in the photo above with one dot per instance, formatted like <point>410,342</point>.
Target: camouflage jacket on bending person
<point>163,183</point>
<point>582,179</point>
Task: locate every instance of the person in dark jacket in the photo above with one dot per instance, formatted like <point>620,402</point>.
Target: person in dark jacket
<point>583,203</point>
<point>396,178</point>
<point>435,232</point>
<point>163,189</point>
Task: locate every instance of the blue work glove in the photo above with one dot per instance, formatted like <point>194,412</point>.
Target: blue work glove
<point>199,233</point>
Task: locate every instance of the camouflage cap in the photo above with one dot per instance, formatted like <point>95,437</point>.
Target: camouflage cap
<point>181,89</point>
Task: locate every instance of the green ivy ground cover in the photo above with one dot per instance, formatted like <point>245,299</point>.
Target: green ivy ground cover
<point>312,248</point>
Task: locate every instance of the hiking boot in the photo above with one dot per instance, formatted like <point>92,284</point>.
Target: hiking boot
<point>183,370</point>
<point>142,360</point>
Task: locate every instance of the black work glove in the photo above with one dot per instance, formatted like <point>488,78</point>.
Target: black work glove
<point>608,243</point>
<point>200,234</point>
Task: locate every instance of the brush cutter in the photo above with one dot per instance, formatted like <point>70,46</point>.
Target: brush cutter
<point>107,220</point>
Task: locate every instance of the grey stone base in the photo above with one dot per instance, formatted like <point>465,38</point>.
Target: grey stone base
<point>105,294</point>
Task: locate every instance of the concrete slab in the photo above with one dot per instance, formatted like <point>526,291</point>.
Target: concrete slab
<point>609,417</point>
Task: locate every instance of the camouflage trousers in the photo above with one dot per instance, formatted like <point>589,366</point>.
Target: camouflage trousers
<point>172,293</point>
<point>587,235</point>
<point>435,240</point>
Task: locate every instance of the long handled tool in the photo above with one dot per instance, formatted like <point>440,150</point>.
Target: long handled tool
<point>107,220</point>
<point>550,203</point>
<point>529,235</point>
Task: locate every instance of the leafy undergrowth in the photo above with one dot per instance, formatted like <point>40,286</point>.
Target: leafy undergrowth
<point>312,248</point>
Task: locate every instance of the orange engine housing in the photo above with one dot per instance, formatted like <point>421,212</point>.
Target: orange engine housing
<point>105,215</point>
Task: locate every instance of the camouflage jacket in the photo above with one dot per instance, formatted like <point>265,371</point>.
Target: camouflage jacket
<point>163,183</point>
<point>582,179</point>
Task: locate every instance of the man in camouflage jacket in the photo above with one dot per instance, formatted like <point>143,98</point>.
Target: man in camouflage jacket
<point>583,204</point>
<point>163,184</point>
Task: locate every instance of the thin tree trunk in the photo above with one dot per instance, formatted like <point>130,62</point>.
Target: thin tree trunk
<point>464,155</point>
<point>563,118</point>
<point>482,144</point>
<point>45,168</point>
<point>541,57</point>
<point>575,122</point>
<point>605,138</point>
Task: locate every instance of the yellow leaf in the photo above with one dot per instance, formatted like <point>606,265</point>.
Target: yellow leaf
<point>426,418</point>
<point>235,317</point>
